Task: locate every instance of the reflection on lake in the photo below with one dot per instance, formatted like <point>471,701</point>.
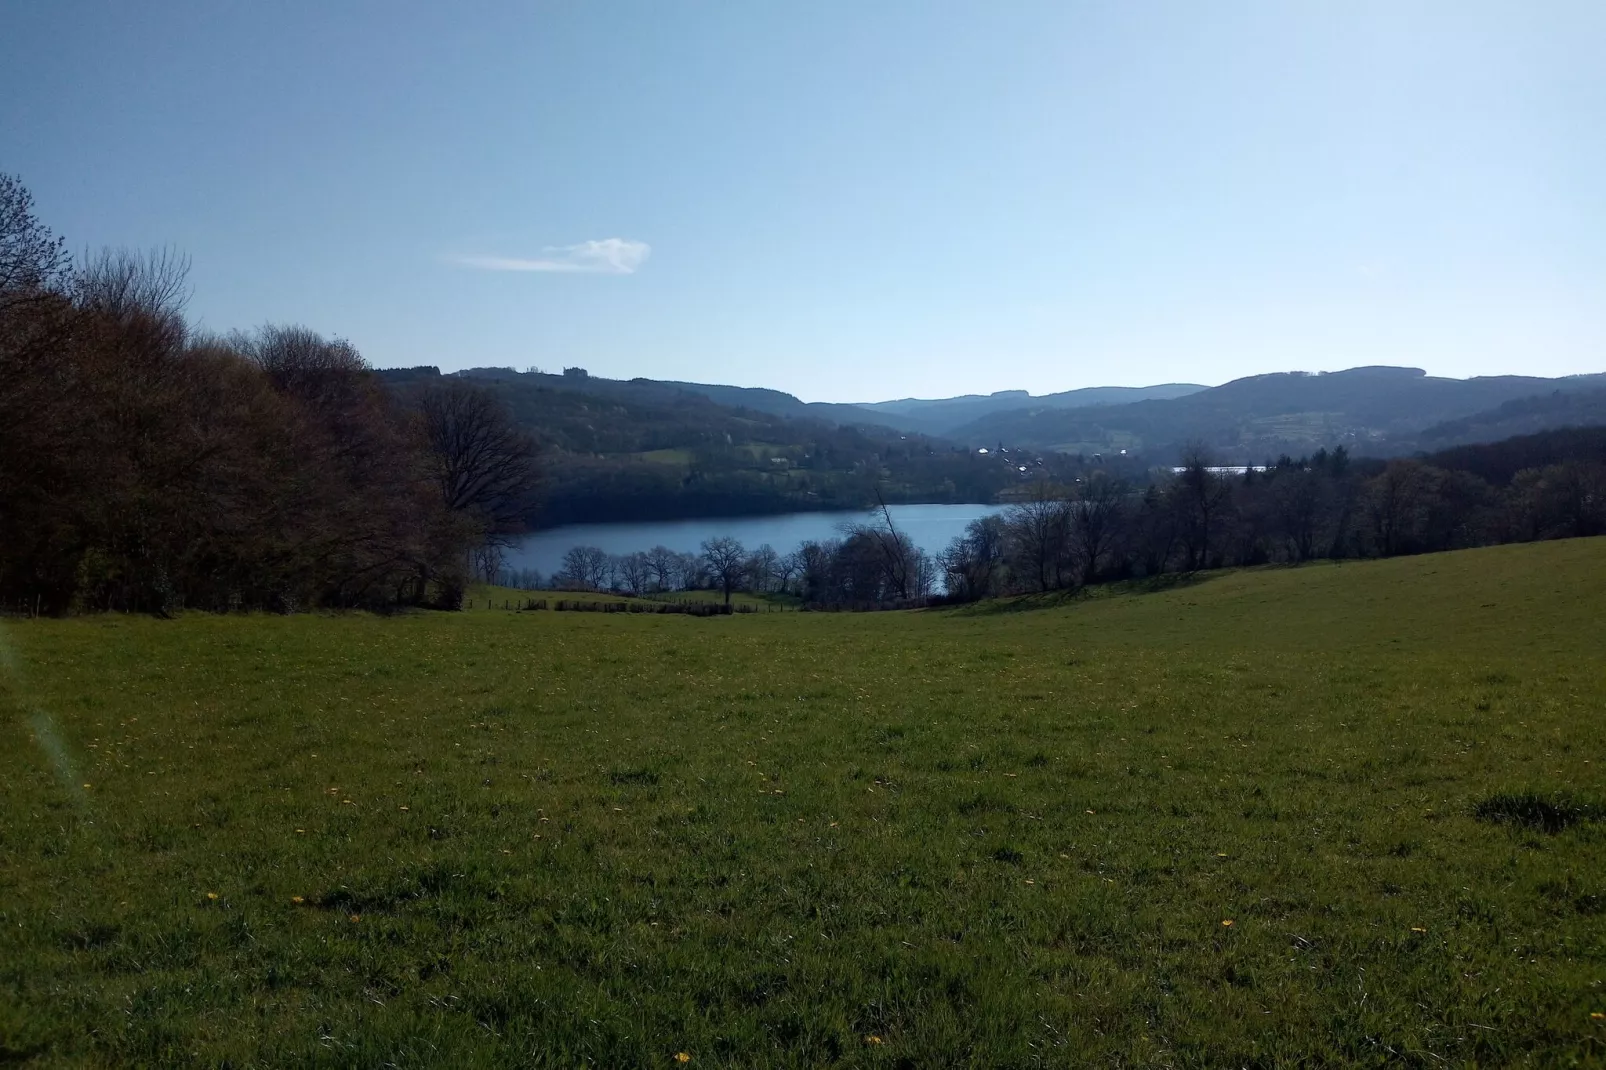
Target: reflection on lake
<point>931,527</point>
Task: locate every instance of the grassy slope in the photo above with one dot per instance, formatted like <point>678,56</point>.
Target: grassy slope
<point>990,837</point>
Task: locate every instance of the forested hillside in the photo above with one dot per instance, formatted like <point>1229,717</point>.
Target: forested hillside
<point>640,450</point>
<point>1524,416</point>
<point>944,416</point>
<point>648,449</point>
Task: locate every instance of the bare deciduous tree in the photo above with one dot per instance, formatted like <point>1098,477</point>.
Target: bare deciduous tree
<point>488,561</point>
<point>973,563</point>
<point>1097,518</point>
<point>121,284</point>
<point>483,464</point>
<point>1038,530</point>
<point>632,573</point>
<point>762,566</point>
<point>585,567</point>
<point>726,561</point>
<point>663,565</point>
<point>1200,496</point>
<point>33,261</point>
<point>897,556</point>
<point>786,568</point>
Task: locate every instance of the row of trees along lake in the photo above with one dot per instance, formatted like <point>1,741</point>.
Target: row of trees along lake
<point>1102,528</point>
<point>145,465</point>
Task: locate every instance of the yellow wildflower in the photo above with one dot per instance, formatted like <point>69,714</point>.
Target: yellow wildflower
<point>872,1039</point>
<point>1227,922</point>
<point>682,1056</point>
<point>211,895</point>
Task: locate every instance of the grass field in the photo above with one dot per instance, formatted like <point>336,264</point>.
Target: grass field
<point>482,597</point>
<point>1232,823</point>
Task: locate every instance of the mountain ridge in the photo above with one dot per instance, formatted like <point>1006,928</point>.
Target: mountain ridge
<point>927,416</point>
<point>1381,410</point>
<point>942,416</point>
<point>1367,408</point>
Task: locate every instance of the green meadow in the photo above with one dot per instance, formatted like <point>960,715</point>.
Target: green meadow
<point>1345,814</point>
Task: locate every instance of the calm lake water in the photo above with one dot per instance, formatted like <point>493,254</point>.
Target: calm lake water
<point>932,527</point>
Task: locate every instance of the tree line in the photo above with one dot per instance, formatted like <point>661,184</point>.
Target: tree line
<point>1325,505</point>
<point>1105,528</point>
<point>870,565</point>
<point>146,465</point>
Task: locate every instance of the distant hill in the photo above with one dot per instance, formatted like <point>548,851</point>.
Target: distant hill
<point>1524,416</point>
<point>932,417</point>
<point>753,398</point>
<point>645,449</point>
<point>779,403</point>
<point>936,416</point>
<point>665,391</point>
<point>942,416</point>
<point>1373,409</point>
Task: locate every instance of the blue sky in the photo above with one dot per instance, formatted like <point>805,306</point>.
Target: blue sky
<point>847,200</point>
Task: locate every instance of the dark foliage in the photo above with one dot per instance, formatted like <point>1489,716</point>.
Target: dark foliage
<point>1320,506</point>
<point>1498,463</point>
<point>1524,416</point>
<point>146,467</point>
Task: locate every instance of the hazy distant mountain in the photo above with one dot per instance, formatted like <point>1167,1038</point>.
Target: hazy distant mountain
<point>939,416</point>
<point>1264,415</point>
<point>1524,416</point>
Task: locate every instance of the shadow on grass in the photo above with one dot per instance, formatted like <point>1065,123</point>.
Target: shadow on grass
<point>1027,603</point>
<point>1549,814</point>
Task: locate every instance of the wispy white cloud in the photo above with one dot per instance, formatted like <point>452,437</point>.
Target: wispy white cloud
<point>610,256</point>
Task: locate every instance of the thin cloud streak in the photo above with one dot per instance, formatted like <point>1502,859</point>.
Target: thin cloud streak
<point>610,256</point>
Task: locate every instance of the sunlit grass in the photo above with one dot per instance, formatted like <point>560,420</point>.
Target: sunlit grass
<point>978,837</point>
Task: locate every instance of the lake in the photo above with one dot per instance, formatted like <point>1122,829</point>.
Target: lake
<point>931,527</point>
